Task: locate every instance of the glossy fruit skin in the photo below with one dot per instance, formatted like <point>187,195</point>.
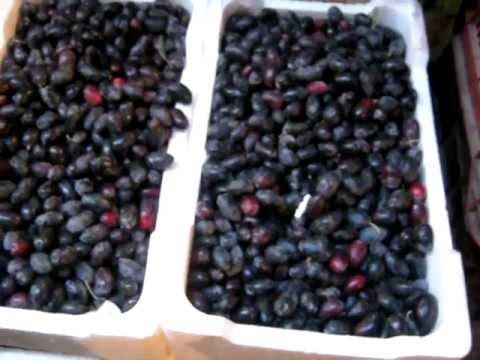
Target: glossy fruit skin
<point>418,192</point>
<point>250,206</point>
<point>92,96</point>
<point>118,82</point>
<point>339,264</point>
<point>311,213</point>
<point>110,219</point>
<point>88,95</point>
<point>355,284</point>
<point>357,253</point>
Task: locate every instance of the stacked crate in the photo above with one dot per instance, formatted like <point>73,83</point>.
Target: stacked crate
<point>467,58</point>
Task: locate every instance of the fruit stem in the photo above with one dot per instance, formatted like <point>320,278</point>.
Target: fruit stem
<point>375,226</point>
<point>92,294</point>
<point>302,207</point>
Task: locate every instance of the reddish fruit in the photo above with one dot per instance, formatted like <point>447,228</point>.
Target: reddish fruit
<point>264,179</point>
<point>317,88</point>
<point>250,205</point>
<point>247,70</point>
<point>344,25</point>
<point>148,214</point>
<point>320,23</point>
<point>331,308</point>
<point>4,127</point>
<point>391,180</point>
<point>108,191</point>
<point>92,95</point>
<point>135,24</point>
<point>119,82</point>
<point>419,214</point>
<point>18,300</point>
<point>274,99</point>
<point>146,221</point>
<point>316,206</point>
<point>367,104</point>
<point>41,168</point>
<point>318,37</point>
<point>115,68</point>
<point>151,192</point>
<point>204,210</point>
<point>4,87</point>
<point>338,264</point>
<point>355,284</point>
<point>269,76</point>
<point>357,251</point>
<point>110,218</point>
<point>149,96</point>
<point>3,100</point>
<point>20,248</point>
<point>261,236</point>
<point>418,191</point>
<point>66,58</point>
<point>265,182</point>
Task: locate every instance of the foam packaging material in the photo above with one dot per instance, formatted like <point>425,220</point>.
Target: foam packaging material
<point>195,335</point>
<point>105,333</point>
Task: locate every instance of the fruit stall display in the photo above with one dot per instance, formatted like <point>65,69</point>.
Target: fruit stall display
<point>313,171</point>
<point>306,201</point>
<point>85,128</point>
<point>329,117</point>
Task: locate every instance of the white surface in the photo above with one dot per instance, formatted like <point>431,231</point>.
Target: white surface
<point>200,336</point>
<point>11,354</point>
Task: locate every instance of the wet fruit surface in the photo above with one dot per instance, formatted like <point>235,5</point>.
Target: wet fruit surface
<point>311,213</point>
<point>87,108</point>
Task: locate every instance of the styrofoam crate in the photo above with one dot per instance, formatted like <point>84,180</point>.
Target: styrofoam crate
<point>195,335</point>
<point>107,333</point>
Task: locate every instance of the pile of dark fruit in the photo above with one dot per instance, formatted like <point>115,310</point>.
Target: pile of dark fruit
<point>87,96</point>
<point>315,112</point>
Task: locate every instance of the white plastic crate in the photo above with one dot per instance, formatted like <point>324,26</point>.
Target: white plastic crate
<point>195,335</point>
<point>106,333</point>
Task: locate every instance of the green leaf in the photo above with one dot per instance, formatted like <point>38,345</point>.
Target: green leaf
<point>160,47</point>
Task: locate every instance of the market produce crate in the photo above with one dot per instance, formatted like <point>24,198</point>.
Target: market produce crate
<point>194,334</point>
<point>108,333</point>
<point>467,60</point>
